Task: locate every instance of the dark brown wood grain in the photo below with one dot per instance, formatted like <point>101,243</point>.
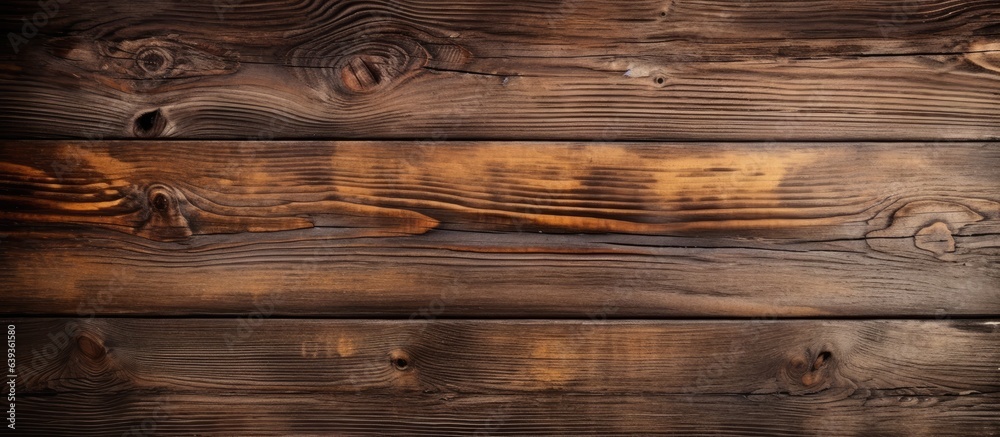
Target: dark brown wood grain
<point>500,229</point>
<point>575,69</point>
<point>260,376</point>
<point>483,217</point>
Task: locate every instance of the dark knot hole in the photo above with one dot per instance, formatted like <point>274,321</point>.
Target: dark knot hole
<point>821,360</point>
<point>400,363</point>
<point>150,124</point>
<point>160,202</point>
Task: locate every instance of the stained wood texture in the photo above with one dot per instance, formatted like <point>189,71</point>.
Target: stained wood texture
<point>907,378</point>
<point>500,229</point>
<point>576,69</point>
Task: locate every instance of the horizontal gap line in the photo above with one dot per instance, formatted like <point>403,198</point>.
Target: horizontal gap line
<point>563,318</point>
<point>499,140</point>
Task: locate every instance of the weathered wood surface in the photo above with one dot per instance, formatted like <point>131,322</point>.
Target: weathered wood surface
<point>577,69</point>
<point>254,376</point>
<point>500,229</point>
<point>139,414</point>
<point>745,161</point>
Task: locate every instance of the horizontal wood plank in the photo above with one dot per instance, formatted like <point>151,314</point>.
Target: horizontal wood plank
<point>500,229</point>
<point>257,375</point>
<point>578,69</point>
<point>484,415</point>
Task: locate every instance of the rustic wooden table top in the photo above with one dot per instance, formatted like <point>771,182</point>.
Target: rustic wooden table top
<point>541,217</point>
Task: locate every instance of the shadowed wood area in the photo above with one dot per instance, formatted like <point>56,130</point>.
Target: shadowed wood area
<point>501,229</point>
<point>109,376</point>
<point>577,69</point>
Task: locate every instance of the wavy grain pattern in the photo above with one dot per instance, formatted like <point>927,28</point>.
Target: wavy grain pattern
<point>577,69</point>
<point>501,229</point>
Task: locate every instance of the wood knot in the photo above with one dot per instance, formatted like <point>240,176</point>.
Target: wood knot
<point>167,58</point>
<point>815,373</point>
<point>935,238</point>
<point>163,218</point>
<point>926,227</point>
<point>400,360</point>
<point>154,61</point>
<point>91,348</point>
<point>90,360</point>
<point>377,64</point>
<point>144,64</point>
<point>149,124</point>
<point>810,372</point>
<point>362,73</point>
<point>348,64</point>
<point>160,202</point>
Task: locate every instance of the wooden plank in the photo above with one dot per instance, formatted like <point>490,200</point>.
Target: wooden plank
<point>254,376</point>
<point>500,229</point>
<point>581,69</point>
<point>480,415</point>
<point>694,29</point>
